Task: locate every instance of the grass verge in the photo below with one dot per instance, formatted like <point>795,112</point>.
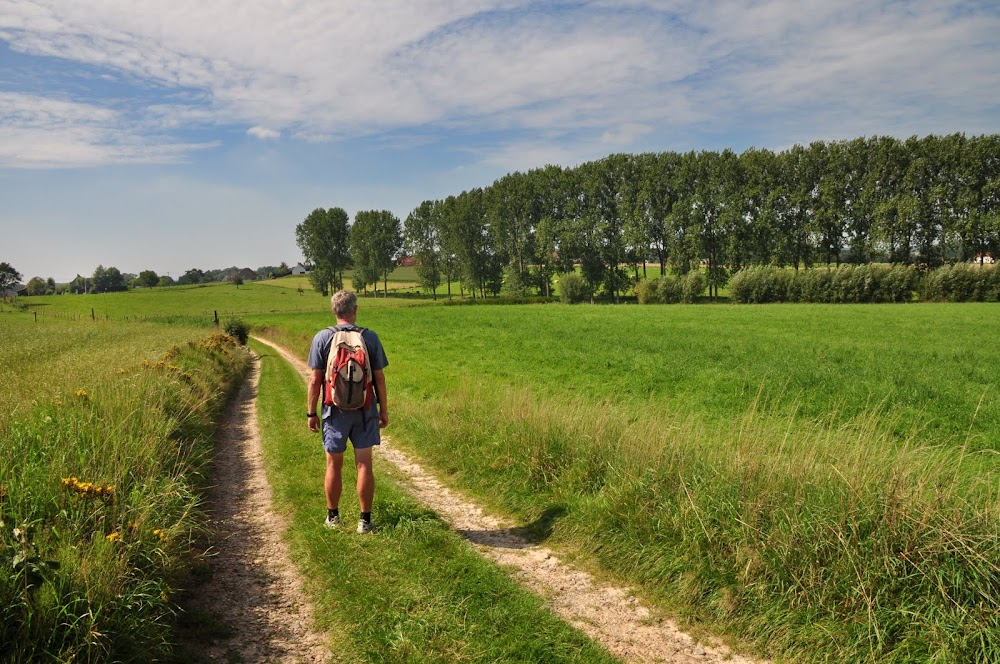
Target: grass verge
<point>413,591</point>
<point>98,506</point>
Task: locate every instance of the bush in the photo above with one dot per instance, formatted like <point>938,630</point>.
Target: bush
<point>647,291</point>
<point>671,290</point>
<point>693,286</point>
<point>238,329</point>
<point>572,288</point>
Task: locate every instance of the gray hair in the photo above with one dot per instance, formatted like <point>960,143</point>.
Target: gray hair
<point>343,303</point>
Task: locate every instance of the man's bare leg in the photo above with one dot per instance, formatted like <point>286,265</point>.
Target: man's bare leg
<point>332,482</point>
<point>366,478</point>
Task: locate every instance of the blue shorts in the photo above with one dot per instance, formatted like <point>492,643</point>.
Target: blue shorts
<point>340,425</point>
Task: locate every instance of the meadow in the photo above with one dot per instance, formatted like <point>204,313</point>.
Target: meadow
<point>818,480</point>
<point>105,434</point>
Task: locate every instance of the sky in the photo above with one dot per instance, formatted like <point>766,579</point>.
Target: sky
<point>165,136</point>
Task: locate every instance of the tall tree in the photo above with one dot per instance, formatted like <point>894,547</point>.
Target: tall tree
<point>323,239</point>
<point>375,240</point>
<point>107,280</point>
<point>8,276</point>
<point>422,239</point>
<point>148,279</point>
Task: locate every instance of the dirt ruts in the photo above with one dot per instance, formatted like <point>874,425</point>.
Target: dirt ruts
<point>253,603</point>
<point>611,615</point>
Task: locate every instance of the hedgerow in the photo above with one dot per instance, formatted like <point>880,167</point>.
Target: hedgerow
<point>856,284</point>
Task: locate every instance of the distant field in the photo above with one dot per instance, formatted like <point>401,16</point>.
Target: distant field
<point>196,304</point>
<point>44,360</point>
<point>401,279</point>
<point>928,365</point>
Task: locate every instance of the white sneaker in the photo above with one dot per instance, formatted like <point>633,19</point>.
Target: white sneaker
<point>364,526</point>
<point>332,522</point>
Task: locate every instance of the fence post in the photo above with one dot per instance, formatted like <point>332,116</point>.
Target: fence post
<point>216,318</point>
<point>36,316</point>
<point>92,316</point>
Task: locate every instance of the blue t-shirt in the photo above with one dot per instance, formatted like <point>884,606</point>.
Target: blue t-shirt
<point>319,352</point>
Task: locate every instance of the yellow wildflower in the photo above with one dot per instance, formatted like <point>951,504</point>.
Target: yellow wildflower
<point>114,537</point>
<point>82,395</point>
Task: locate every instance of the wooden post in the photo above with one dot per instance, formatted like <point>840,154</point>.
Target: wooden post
<point>36,316</point>
<point>216,318</point>
<point>92,316</point>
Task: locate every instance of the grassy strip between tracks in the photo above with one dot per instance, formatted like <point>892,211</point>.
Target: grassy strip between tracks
<point>98,498</point>
<point>413,591</point>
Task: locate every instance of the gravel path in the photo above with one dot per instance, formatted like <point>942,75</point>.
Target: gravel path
<point>610,615</point>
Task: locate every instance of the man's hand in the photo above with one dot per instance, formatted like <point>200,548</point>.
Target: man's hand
<point>314,423</point>
<point>383,419</point>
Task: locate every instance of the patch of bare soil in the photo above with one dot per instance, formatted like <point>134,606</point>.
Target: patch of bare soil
<point>252,609</point>
<point>611,615</point>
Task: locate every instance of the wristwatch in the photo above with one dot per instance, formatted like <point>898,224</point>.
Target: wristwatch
<point>310,414</point>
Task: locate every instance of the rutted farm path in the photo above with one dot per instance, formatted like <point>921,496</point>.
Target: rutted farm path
<point>254,590</point>
<point>608,614</point>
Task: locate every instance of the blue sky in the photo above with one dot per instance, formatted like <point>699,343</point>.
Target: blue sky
<point>171,135</point>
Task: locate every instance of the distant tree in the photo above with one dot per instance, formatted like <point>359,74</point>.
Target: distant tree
<point>107,280</point>
<point>36,286</point>
<point>192,276</point>
<point>50,285</point>
<point>148,279</point>
<point>323,237</point>
<point>165,281</point>
<point>423,241</point>
<point>375,240</point>
<point>8,276</point>
<point>238,280</point>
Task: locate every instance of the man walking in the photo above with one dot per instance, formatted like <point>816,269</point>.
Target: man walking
<point>360,426</point>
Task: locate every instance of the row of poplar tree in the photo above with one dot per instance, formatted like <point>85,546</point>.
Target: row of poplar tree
<point>923,201</point>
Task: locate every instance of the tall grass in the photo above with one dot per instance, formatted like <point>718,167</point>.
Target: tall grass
<point>44,360</point>
<point>819,541</point>
<point>98,506</point>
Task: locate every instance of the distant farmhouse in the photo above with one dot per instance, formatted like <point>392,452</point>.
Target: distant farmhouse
<point>14,290</point>
<point>407,261</point>
<point>300,269</point>
<point>985,259</point>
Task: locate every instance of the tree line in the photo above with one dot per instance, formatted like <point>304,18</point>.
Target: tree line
<point>919,201</point>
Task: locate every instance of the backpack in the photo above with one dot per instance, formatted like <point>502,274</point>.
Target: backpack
<point>348,372</point>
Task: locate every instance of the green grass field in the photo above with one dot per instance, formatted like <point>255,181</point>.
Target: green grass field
<point>52,358</point>
<point>930,366</point>
<point>820,480</point>
<point>817,479</point>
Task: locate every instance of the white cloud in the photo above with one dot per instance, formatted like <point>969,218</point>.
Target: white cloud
<point>41,132</point>
<point>263,133</point>
<point>611,71</point>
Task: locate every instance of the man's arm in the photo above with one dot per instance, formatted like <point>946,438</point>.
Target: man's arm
<point>312,397</point>
<point>383,405</point>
